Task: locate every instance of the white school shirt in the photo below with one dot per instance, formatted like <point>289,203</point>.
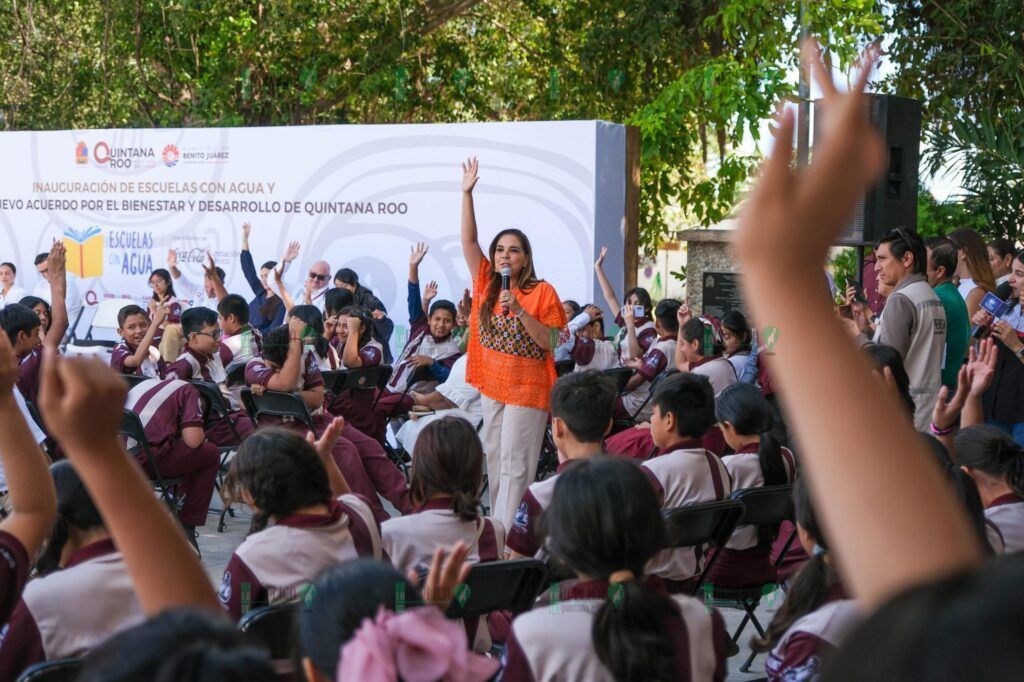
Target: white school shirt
<point>659,358</point>
<point>720,372</point>
<point>1007,513</point>
<point>37,433</point>
<point>744,469</point>
<point>799,654</point>
<point>686,475</point>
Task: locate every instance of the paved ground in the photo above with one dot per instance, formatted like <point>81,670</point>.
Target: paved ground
<point>217,549</point>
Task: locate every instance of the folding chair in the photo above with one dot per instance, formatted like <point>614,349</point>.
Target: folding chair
<point>273,628</point>
<point>548,461</point>
<point>766,508</point>
<point>359,379</point>
<point>698,525</point>
<point>236,375</point>
<point>217,406</point>
<point>620,375</point>
<point>59,670</point>
<point>276,404</point>
<point>131,428</point>
<point>134,380</point>
<point>631,421</point>
<point>499,586</point>
<point>104,321</point>
<point>563,367</point>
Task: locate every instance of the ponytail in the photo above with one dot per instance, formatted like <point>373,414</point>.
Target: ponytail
<point>993,452</point>
<point>769,456</point>
<point>743,406</point>
<point>448,460</point>
<point>630,635</point>
<point>811,585</point>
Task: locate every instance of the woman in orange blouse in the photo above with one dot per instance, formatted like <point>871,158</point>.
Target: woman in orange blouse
<point>513,334</point>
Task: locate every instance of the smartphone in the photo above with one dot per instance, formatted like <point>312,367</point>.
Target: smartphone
<point>638,311</point>
<point>858,290</point>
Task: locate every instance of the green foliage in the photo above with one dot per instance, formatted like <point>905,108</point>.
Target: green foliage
<point>844,267</point>
<point>937,219</point>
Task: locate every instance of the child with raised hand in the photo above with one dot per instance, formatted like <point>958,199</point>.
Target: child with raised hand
<point>135,354</point>
<point>31,493</point>
<point>817,615</point>
<point>314,337</point>
<point>304,520</point>
<point>757,461</point>
<point>636,332</point>
<point>581,416</point>
<point>892,518</point>
<point>614,622</point>
<point>243,340</point>
<point>699,350</point>
<point>685,472</point>
<point>588,347</point>
<point>659,358</point>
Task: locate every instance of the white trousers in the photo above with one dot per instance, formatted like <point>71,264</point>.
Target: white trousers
<point>512,438</point>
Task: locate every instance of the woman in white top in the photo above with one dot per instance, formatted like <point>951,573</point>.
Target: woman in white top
<point>9,291</point>
<point>972,268</point>
<point>1000,258</point>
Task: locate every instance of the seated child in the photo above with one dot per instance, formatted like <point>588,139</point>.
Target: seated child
<point>659,358</point>
<point>816,616</point>
<point>205,358</point>
<point>589,348</point>
<point>699,350</point>
<point>314,338</point>
<point>758,460</point>
<point>613,622</point>
<point>80,562</point>
<point>136,354</point>
<point>243,340</point>
<point>684,409</point>
<point>300,526</point>
<point>358,350</point>
<point>447,476</point>
<point>171,412</point>
<point>996,463</point>
<point>285,367</point>
<point>581,416</point>
<point>455,397</point>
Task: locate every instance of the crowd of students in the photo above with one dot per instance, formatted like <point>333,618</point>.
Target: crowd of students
<point>903,552</point>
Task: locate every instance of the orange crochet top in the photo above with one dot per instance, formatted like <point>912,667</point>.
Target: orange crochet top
<point>506,364</point>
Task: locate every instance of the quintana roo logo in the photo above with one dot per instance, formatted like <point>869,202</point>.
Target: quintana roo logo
<point>170,156</point>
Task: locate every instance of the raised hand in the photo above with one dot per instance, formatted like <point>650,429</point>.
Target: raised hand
<point>296,327</point>
<point>56,261</point>
<point>210,266</point>
<point>981,367</point>
<point>444,576</point>
<point>8,366</point>
<point>330,326</point>
<point>352,324</point>
<point>330,436</point>
<point>465,305</point>
<point>945,414</point>
<point>378,314</point>
<point>159,312</point>
<point>417,254</point>
<point>469,174</point>
<point>592,311</point>
<point>81,401</point>
<point>683,314</point>
<point>430,291</point>
<point>246,228</point>
<point>627,315</point>
<point>291,253</point>
<point>172,259</point>
<point>600,258</point>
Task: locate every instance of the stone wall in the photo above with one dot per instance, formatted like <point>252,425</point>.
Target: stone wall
<point>706,251</point>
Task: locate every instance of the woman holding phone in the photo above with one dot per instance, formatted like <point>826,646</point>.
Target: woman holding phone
<point>513,333</point>
<point>635,318</point>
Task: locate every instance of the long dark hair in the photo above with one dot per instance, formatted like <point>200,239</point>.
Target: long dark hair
<point>449,459</point>
<point>976,255</point>
<point>342,598</point>
<point>993,452</point>
<point>281,472</point>
<point>527,278</point>
<point>165,276</point>
<point>364,316</point>
<point>313,318</point>
<point>964,487</point>
<point>179,644</point>
<point>736,323</point>
<point>604,518</point>
<point>810,586</point>
<point>31,302</point>
<point>75,509</point>
<point>745,408</point>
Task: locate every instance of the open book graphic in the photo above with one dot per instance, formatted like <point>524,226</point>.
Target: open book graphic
<point>85,251</point>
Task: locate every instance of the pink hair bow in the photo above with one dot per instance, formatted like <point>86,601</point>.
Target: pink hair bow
<point>415,646</point>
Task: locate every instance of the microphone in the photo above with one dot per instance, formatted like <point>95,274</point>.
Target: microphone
<point>506,284</point>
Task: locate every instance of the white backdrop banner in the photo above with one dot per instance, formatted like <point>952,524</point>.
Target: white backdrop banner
<point>357,196</point>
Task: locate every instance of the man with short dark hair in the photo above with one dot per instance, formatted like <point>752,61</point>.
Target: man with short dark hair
<point>913,321</point>
<point>942,261</point>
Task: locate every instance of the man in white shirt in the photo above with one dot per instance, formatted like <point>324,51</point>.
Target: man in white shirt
<point>73,299</point>
<point>318,281</point>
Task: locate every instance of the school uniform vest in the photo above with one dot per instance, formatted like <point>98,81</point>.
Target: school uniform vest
<point>744,469</point>
<point>646,334</point>
<point>923,360</point>
<point>1007,514</point>
<point>215,370</point>
<point>659,358</point>
<point>597,354</point>
<point>554,642</point>
<point>686,475</point>
<point>799,654</point>
<point>422,342</point>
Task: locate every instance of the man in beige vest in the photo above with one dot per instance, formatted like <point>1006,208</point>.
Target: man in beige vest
<point>913,320</point>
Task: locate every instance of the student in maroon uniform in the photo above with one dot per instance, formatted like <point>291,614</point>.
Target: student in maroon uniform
<point>49,621</point>
<point>284,367</point>
<point>206,359</point>
<point>816,615</point>
<point>588,348</point>
<point>30,487</point>
<point>758,460</point>
<point>581,416</point>
<point>429,353</point>
<point>314,337</point>
<point>304,519</point>
<point>636,332</point>
<point>660,357</point>
<point>686,473</point>
<point>996,463</point>
<point>42,310</point>
<point>358,349</point>
<point>22,327</point>
<point>699,350</point>
<point>136,354</point>
<point>614,622</point>
<point>243,340</point>
<point>171,412</point>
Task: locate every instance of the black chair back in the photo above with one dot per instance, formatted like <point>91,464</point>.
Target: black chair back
<point>701,524</point>
<point>236,375</point>
<point>60,670</point>
<point>276,404</point>
<point>620,375</point>
<point>273,628</point>
<point>563,367</point>
<point>213,396</point>
<point>334,379</point>
<point>768,506</point>
<point>499,586</point>
<point>134,380</point>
